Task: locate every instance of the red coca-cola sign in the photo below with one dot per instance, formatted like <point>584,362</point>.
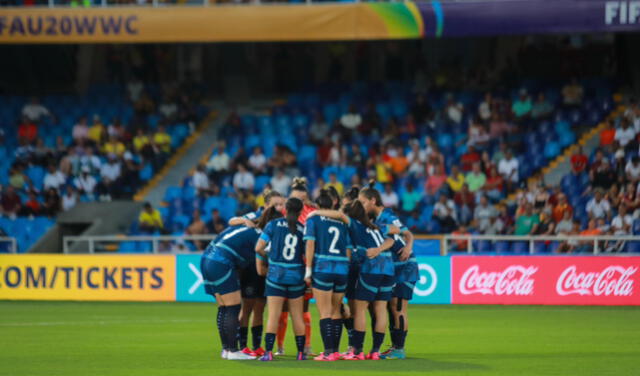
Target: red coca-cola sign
<point>587,280</point>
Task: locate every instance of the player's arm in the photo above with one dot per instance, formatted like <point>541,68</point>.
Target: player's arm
<point>408,248</point>
<point>374,252</point>
<point>309,253</point>
<point>261,265</point>
<point>393,230</point>
<point>241,221</point>
<point>334,214</point>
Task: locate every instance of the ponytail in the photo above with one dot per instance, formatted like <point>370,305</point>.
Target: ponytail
<point>356,211</point>
<point>294,207</point>
<point>324,200</point>
<point>371,193</point>
<point>267,216</point>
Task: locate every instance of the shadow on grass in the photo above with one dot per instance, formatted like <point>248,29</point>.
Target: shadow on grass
<point>407,365</point>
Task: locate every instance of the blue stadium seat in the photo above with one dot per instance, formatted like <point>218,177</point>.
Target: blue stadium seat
<point>633,247</point>
<point>172,193</point>
<point>502,246</point>
<point>521,247</point>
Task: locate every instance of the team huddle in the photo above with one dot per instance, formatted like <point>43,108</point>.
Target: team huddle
<point>292,250</point>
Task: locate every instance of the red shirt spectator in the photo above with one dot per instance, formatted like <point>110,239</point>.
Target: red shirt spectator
<point>469,158</point>
<point>28,131</point>
<point>578,161</point>
<point>607,136</point>
<point>465,197</point>
<point>323,152</point>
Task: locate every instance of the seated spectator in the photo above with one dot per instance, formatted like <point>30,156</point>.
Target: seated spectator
<point>621,223</point>
<point>416,158</point>
<point>25,152</point>
<point>218,164</point>
<point>69,199</point>
<point>335,183</point>
<point>142,144</point>
<point>598,207</point>
<point>398,162</point>
<point>587,245</point>
<point>382,170</point>
<point>110,176</point>
<point>561,208</point>
<point>162,141</point>
<point>498,126</point>
<point>572,94</point>
<point>319,129</point>
<point>602,177</point>
<point>494,185</point>
<point>435,182</point>
<point>85,183</point>
<point>546,226</point>
<point>115,129</point>
<point>27,130</point>
<point>475,179</point>
<point>460,245</point>
<point>455,181</point>
<point>200,181</point>
<point>32,205</point>
<point>54,178</point>
<point>579,161</point>
<point>484,108</point>
<point>88,160</point>
<point>281,182</point>
<point>631,198</point>
<point>11,203</point>
<point>421,110</point>
<point>356,157</point>
<point>17,179</point>
<point>197,227</point>
<point>258,161</point>
<point>415,223</point>
<point>632,169</point>
<point>506,219</point>
<point>434,159</point>
<point>483,214</point>
<point>521,108</point>
<point>466,201</point>
<point>34,110</point>
<point>508,168</point>
<point>626,136</point>
<point>486,163</point>
<point>243,179</point>
<point>541,109</point>
<point>389,197</point>
<point>444,212</point>
<point>478,136</point>
<point>168,109</point>
<point>565,225</point>
<point>453,110</point>
<point>96,132</point>
<point>527,223</point>
<point>350,121</point>
<point>81,130</point>
<point>114,146</point>
<point>150,219</point>
<point>216,225</point>
<point>469,158</point>
<point>410,199</point>
<point>608,134</point>
<point>496,227</point>
<point>52,204</point>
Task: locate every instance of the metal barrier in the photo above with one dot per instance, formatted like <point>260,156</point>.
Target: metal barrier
<point>598,242</point>
<point>148,243</point>
<point>13,243</point>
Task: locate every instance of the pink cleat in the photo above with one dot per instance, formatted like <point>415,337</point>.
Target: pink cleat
<point>373,356</point>
<point>335,356</point>
<point>248,351</point>
<point>267,357</point>
<point>324,358</point>
<point>354,356</point>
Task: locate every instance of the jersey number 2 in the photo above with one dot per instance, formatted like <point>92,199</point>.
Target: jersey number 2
<point>336,235</point>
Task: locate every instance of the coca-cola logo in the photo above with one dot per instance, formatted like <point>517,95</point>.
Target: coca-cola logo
<point>514,280</point>
<point>613,280</point>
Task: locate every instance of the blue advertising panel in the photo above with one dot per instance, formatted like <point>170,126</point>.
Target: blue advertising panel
<point>434,285</point>
<point>189,283</point>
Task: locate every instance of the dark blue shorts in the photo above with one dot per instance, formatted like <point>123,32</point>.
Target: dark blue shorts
<point>329,282</point>
<point>372,287</point>
<point>219,278</point>
<point>403,290</point>
<point>285,291</point>
<point>251,284</point>
<point>352,281</point>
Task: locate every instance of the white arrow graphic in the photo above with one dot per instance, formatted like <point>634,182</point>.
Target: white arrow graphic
<point>199,280</point>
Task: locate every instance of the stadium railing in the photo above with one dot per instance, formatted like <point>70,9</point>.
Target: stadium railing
<point>11,241</point>
<point>133,244</point>
<point>538,244</point>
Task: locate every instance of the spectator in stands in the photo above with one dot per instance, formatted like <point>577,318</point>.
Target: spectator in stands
<point>602,176</point>
<point>444,212</point>
<point>541,109</point>
<point>475,179</point>
<point>17,179</point>
<point>243,179</point>
<point>31,206</point>
<point>561,208</point>
<point>114,146</point>
<point>27,130</point>
<point>508,168</point>
<point>258,161</point>
<point>51,203</point>
<point>197,227</point>
<point>116,129</point>
<point>85,183</point>
<point>465,200</point>
<point>632,169</point>
<point>572,94</point>
<point>565,225</point>
<point>319,129</point>
<point>150,219</point>
<point>626,136</point>
<point>216,225</point>
<point>527,223</point>
<point>335,183</point>
<point>416,158</point>
<point>162,143</point>
<point>469,158</point>
<point>579,161</point>
<point>80,131</point>
<point>281,182</point>
<point>453,110</point>
<point>88,160</point>
<point>608,135</point>
<point>11,203</point>
<point>110,175</point>
<point>34,110</point>
<point>54,178</point>
<point>521,108</point>
<point>142,145</point>
<point>69,199</point>
<point>389,197</point>
<point>218,165</point>
<point>455,181</point>
<point>498,126</point>
<point>143,107</point>
<point>598,206</point>
<point>96,132</point>
<point>460,245</point>
<point>168,108</point>
<point>631,199</point>
<point>621,223</point>
<point>421,110</point>
<point>478,137</point>
<point>483,214</point>
<point>587,245</point>
<point>349,122</point>
<point>356,158</point>
<point>410,200</point>
<point>494,185</point>
<point>200,181</point>
<point>484,108</point>
<point>436,181</point>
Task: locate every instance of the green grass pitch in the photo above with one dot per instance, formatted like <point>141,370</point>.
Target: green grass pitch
<point>151,339</point>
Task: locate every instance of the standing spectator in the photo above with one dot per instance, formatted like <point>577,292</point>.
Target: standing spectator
<point>150,219</point>
<point>445,213</point>
<point>527,223</point>
<point>475,179</point>
<point>598,207</point>
<point>455,181</point>
<point>258,161</point>
<point>578,161</point>
<point>216,225</point>
<point>483,214</point>
<point>572,94</point>
<point>508,168</point>
<point>34,110</point>
<point>218,164</point>
<point>54,178</point>
<point>11,203</point>
<point>243,179</point>
<point>410,199</point>
<point>389,197</point>
<point>281,182</point>
<point>541,109</point>
<point>69,199</point>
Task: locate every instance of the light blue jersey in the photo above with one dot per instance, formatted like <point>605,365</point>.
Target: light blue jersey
<point>331,243</point>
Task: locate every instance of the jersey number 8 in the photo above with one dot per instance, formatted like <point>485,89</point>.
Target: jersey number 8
<point>289,250</point>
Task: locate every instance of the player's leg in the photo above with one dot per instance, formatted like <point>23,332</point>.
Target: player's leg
<point>336,319</point>
<point>274,304</point>
<point>380,308</point>
<point>257,325</point>
<point>296,308</point>
<point>325,308</point>
<point>230,324</point>
<point>306,316</point>
<point>245,315</point>
<point>282,329</point>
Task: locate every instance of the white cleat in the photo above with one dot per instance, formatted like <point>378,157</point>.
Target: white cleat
<point>224,354</point>
<point>239,355</point>
<point>280,351</point>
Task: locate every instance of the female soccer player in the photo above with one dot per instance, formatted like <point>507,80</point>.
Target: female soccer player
<point>327,260</point>
<point>285,274</point>
<point>375,280</point>
<point>230,251</point>
<point>406,269</point>
<point>252,285</point>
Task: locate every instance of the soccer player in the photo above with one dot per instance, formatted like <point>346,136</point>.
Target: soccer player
<point>406,269</point>
<point>327,260</point>
<point>230,251</point>
<point>252,285</point>
<point>285,274</point>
